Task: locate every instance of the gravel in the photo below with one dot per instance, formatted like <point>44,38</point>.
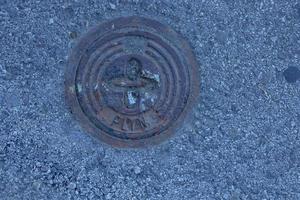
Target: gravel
<point>242,140</point>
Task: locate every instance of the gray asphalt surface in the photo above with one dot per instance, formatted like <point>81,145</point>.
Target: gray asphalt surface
<point>243,141</point>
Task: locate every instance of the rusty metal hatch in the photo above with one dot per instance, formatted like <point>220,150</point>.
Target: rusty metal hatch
<point>130,81</point>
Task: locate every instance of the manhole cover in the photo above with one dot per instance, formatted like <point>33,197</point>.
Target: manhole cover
<point>130,81</point>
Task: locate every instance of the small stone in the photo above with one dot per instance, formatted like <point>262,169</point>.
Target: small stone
<point>51,21</point>
<point>293,124</point>
<point>45,169</point>
<point>72,185</point>
<point>27,61</point>
<point>36,184</point>
<point>291,74</point>
<point>274,39</point>
<point>137,170</point>
<point>38,164</point>
<point>73,34</point>
<point>112,6</point>
<point>2,70</point>
<point>109,196</point>
<point>197,125</point>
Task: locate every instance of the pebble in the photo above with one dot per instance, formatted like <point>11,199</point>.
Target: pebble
<point>293,124</point>
<point>36,184</point>
<point>51,21</point>
<point>73,34</point>
<point>2,70</point>
<point>38,164</point>
<point>72,185</point>
<point>137,170</point>
<point>197,125</point>
<point>112,6</point>
<point>109,196</point>
<point>274,39</point>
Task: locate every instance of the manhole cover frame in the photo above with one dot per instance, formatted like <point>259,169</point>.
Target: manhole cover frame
<point>112,25</point>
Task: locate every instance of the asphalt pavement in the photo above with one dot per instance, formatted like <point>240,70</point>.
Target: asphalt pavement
<point>241,142</point>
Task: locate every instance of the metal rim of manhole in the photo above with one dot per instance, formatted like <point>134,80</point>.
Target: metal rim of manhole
<point>131,81</point>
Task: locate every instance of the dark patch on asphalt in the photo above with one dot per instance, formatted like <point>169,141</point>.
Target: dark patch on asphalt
<point>291,74</point>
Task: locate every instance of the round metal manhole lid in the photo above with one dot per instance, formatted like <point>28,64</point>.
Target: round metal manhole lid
<point>130,81</point>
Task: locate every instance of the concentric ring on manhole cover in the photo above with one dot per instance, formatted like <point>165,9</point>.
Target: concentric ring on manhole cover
<point>130,81</point>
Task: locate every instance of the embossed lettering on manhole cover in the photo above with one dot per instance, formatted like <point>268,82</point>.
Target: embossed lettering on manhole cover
<point>130,81</point>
